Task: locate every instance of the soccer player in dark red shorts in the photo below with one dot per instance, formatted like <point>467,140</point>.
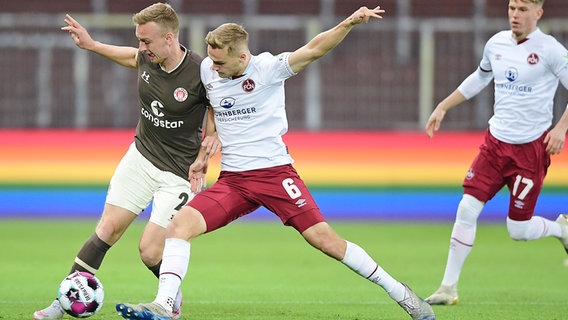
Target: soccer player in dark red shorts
<point>526,66</point>
<point>247,94</point>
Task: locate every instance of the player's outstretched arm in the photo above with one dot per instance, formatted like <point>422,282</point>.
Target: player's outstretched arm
<point>125,56</point>
<point>327,40</point>
<point>435,120</point>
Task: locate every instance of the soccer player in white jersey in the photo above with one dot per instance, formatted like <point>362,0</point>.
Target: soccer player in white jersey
<point>247,94</point>
<point>525,66</point>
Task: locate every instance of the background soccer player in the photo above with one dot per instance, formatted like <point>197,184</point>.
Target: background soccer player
<point>526,66</point>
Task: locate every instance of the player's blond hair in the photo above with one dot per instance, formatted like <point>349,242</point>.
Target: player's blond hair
<point>537,2</point>
<point>232,36</point>
<point>162,14</point>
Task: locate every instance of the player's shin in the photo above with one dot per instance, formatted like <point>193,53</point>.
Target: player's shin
<point>175,261</point>
<point>359,261</point>
<point>91,255</point>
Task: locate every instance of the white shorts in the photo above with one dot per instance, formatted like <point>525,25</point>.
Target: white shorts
<point>136,182</point>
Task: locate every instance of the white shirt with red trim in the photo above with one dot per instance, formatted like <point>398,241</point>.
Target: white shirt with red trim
<point>526,77</point>
<point>250,114</point>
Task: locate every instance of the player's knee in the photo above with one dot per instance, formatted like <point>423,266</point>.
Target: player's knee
<point>113,223</point>
<point>109,232</point>
<point>187,224</point>
<point>469,210</point>
<point>323,238</point>
<point>518,230</point>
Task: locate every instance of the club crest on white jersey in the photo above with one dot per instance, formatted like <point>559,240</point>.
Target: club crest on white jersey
<point>533,59</point>
<point>248,85</point>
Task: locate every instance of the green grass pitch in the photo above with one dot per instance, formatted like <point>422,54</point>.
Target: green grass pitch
<point>262,270</point>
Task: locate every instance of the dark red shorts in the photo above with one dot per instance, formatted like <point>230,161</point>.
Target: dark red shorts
<point>522,167</point>
<point>279,189</point>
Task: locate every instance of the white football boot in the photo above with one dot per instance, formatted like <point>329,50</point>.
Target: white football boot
<point>563,221</point>
<point>143,311</point>
<point>417,308</point>
<point>54,311</point>
<point>445,295</point>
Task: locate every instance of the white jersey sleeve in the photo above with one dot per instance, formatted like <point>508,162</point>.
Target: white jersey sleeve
<point>478,80</point>
<point>562,71</point>
<point>475,82</point>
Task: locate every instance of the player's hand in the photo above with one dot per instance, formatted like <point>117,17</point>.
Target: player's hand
<point>198,173</point>
<point>198,169</point>
<point>364,14</point>
<point>211,145</point>
<point>78,33</point>
<point>434,122</point>
<point>554,141</point>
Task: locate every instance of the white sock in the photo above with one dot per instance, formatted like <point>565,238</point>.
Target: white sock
<point>359,261</point>
<point>175,261</point>
<point>459,251</point>
<point>462,239</point>
<point>535,228</point>
<point>179,300</point>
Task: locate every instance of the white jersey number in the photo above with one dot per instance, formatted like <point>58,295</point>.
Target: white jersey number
<point>528,184</point>
<point>292,190</point>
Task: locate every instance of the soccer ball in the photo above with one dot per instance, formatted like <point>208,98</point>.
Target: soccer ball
<point>81,294</point>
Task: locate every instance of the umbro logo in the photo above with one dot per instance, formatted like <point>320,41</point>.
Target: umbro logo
<point>301,202</point>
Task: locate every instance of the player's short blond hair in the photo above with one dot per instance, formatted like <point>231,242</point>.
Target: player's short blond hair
<point>537,2</point>
<point>162,14</point>
<point>232,36</point>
